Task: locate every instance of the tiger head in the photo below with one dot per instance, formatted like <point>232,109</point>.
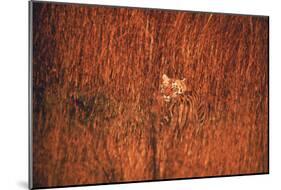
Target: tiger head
<point>171,88</point>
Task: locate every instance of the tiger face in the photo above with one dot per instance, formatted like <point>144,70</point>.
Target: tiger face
<point>171,88</point>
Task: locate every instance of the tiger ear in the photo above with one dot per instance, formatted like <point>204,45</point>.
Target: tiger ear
<point>165,77</point>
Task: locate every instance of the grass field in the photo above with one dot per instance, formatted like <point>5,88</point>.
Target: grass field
<point>96,75</point>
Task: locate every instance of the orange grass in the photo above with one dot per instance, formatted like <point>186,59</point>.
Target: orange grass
<point>96,73</point>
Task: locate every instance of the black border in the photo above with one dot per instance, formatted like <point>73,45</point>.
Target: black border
<point>30,55</point>
<point>146,8</point>
<point>149,181</point>
<point>30,89</point>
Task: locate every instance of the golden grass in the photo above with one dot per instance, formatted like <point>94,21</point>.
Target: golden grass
<point>96,73</point>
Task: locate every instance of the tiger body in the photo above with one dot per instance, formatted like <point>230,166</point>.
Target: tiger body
<point>181,107</point>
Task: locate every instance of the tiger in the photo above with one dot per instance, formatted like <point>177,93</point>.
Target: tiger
<point>182,106</point>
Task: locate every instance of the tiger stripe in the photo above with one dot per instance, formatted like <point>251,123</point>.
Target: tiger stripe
<point>187,108</point>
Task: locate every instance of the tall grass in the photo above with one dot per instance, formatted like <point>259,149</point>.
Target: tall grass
<point>96,74</point>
